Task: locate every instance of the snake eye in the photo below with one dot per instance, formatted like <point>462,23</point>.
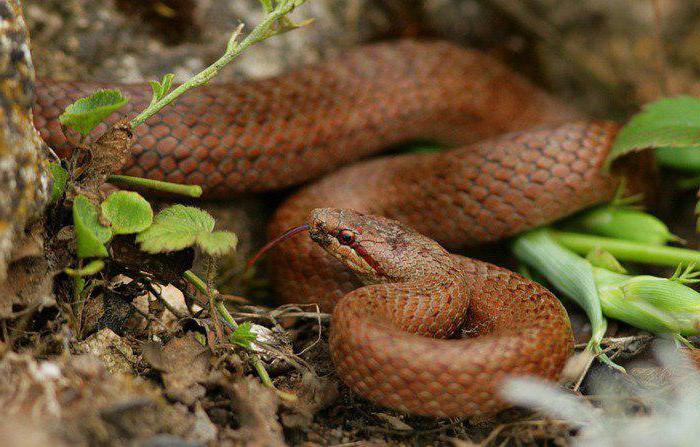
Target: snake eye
<point>346,237</point>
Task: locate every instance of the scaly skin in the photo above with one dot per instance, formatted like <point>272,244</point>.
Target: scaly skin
<point>386,337</point>
<point>279,132</point>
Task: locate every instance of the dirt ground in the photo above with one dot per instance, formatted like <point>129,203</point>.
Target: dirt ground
<point>137,374</point>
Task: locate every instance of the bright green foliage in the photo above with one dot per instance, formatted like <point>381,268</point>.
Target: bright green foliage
<point>128,212</point>
<point>162,88</point>
<point>179,227</point>
<point>603,259</point>
<point>570,274</point>
<point>658,305</point>
<point>682,158</point>
<point>90,234</point>
<point>243,335</point>
<point>86,113</point>
<point>625,223</point>
<point>267,6</point>
<point>217,243</point>
<point>60,178</point>
<point>284,24</point>
<point>686,276</point>
<point>668,122</point>
<point>92,268</point>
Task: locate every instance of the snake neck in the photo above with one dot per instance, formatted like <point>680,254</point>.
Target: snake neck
<point>432,302</point>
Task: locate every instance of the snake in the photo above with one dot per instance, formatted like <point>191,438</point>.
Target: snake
<point>399,300</point>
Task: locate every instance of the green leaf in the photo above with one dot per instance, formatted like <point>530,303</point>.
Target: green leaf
<point>669,122</point>
<point>243,335</point>
<point>217,243</point>
<point>267,5</point>
<point>90,234</point>
<point>92,268</point>
<point>175,228</point>
<point>162,88</point>
<point>682,158</point>
<point>60,178</point>
<point>86,113</point>
<point>179,227</point>
<point>128,212</point>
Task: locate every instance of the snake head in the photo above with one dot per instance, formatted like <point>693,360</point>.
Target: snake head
<point>377,249</point>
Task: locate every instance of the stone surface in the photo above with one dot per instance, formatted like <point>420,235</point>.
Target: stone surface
<point>134,41</point>
<point>23,178</point>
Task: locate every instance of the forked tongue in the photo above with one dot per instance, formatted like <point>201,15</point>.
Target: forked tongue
<point>278,240</point>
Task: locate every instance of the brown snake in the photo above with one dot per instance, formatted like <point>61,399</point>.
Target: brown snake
<point>274,133</point>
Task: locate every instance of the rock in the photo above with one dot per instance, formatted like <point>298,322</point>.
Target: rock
<point>23,176</point>
<point>116,355</point>
<point>135,41</point>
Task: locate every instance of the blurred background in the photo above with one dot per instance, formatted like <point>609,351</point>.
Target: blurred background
<point>607,56</point>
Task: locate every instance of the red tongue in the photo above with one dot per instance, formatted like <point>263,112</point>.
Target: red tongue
<point>279,239</point>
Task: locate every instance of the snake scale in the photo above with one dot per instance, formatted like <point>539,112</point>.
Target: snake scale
<point>387,337</point>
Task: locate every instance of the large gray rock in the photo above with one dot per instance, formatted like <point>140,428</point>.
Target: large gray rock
<point>23,179</point>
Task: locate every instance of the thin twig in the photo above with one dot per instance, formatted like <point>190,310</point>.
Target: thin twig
<point>261,32</point>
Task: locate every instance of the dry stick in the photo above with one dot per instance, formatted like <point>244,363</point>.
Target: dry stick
<point>213,301</point>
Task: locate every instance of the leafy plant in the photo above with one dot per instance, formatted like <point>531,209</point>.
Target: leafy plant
<point>60,179</point>
<point>128,212</point>
<point>87,113</point>
<point>666,123</point>
<point>91,236</point>
<point>243,335</point>
<point>162,88</point>
<point>99,224</point>
<point>179,227</point>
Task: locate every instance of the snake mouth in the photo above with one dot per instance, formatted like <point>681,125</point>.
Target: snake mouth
<point>319,236</point>
<point>276,241</point>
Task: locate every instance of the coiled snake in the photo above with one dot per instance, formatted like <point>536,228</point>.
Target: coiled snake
<point>279,132</point>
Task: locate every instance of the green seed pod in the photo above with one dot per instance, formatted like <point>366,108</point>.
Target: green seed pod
<point>658,305</point>
<point>603,259</point>
<point>624,223</point>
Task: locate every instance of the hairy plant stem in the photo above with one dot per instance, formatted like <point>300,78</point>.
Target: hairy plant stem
<point>201,286</point>
<point>156,185</point>
<point>261,32</point>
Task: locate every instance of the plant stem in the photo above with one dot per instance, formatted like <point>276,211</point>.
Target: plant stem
<point>200,285</point>
<point>233,50</point>
<point>172,188</point>
<point>267,381</point>
<point>627,250</point>
<point>223,311</point>
<point>196,281</point>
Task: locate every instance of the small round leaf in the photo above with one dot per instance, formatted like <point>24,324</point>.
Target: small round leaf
<point>128,212</point>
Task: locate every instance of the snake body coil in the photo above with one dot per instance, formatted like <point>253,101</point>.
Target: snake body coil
<point>279,132</point>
